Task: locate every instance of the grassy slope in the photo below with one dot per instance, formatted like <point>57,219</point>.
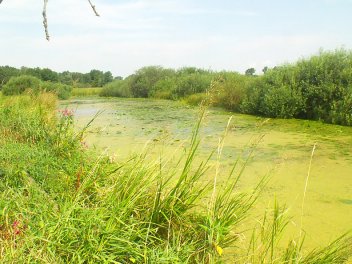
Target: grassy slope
<point>61,203</point>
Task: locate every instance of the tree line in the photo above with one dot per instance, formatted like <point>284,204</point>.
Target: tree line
<point>315,88</point>
<point>94,78</point>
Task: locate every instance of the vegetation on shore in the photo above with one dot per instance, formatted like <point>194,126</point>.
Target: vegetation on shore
<point>93,78</point>
<point>316,88</point>
<point>60,202</point>
<point>30,84</point>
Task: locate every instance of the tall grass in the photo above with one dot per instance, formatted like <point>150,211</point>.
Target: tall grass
<point>86,91</point>
<point>63,203</point>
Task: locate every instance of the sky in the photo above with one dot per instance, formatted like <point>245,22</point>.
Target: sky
<point>231,35</point>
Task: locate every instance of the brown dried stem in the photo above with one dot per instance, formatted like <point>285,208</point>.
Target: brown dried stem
<point>93,7</point>
<point>45,21</point>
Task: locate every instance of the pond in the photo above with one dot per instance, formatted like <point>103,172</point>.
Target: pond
<point>127,126</point>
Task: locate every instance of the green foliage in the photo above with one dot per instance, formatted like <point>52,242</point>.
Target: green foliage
<point>231,90</point>
<point>143,82</point>
<point>94,78</point>
<point>250,72</point>
<point>164,88</point>
<point>86,91</point>
<point>18,85</point>
<point>158,82</point>
<point>117,88</point>
<point>316,88</point>
<point>341,111</point>
<point>188,83</point>
<point>6,72</point>
<point>63,91</point>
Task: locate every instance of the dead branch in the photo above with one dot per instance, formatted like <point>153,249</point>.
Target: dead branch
<point>93,7</point>
<point>45,21</point>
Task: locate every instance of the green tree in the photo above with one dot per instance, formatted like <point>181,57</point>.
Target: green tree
<point>6,72</point>
<point>96,78</point>
<point>250,72</point>
<point>49,75</point>
<point>17,85</point>
<point>144,80</point>
<point>107,78</point>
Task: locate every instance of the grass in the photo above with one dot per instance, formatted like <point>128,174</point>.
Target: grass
<point>63,203</point>
<point>80,92</point>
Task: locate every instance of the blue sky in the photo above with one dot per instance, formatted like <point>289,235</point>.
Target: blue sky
<point>212,34</point>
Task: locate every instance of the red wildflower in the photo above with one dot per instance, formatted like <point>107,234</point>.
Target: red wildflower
<point>67,113</point>
<point>15,223</point>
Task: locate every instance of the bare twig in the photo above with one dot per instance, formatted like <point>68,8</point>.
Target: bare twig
<point>93,7</point>
<point>45,21</point>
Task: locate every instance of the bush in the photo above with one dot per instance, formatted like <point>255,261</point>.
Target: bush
<point>18,85</point>
<point>63,91</point>
<point>341,111</point>
<point>187,84</point>
<point>316,88</point>
<point>163,89</point>
<point>282,102</point>
<point>143,81</point>
<point>252,102</point>
<point>323,80</point>
<point>117,88</point>
<point>231,90</point>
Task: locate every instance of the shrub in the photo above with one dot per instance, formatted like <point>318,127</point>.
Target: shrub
<point>252,102</point>
<point>18,85</point>
<point>63,91</point>
<point>230,91</point>
<point>282,102</point>
<point>188,84</point>
<point>143,81</point>
<point>323,79</point>
<point>163,89</point>
<point>117,88</point>
<point>341,111</point>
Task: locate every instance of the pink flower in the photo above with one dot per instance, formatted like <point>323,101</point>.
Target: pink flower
<point>15,223</point>
<point>67,113</point>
